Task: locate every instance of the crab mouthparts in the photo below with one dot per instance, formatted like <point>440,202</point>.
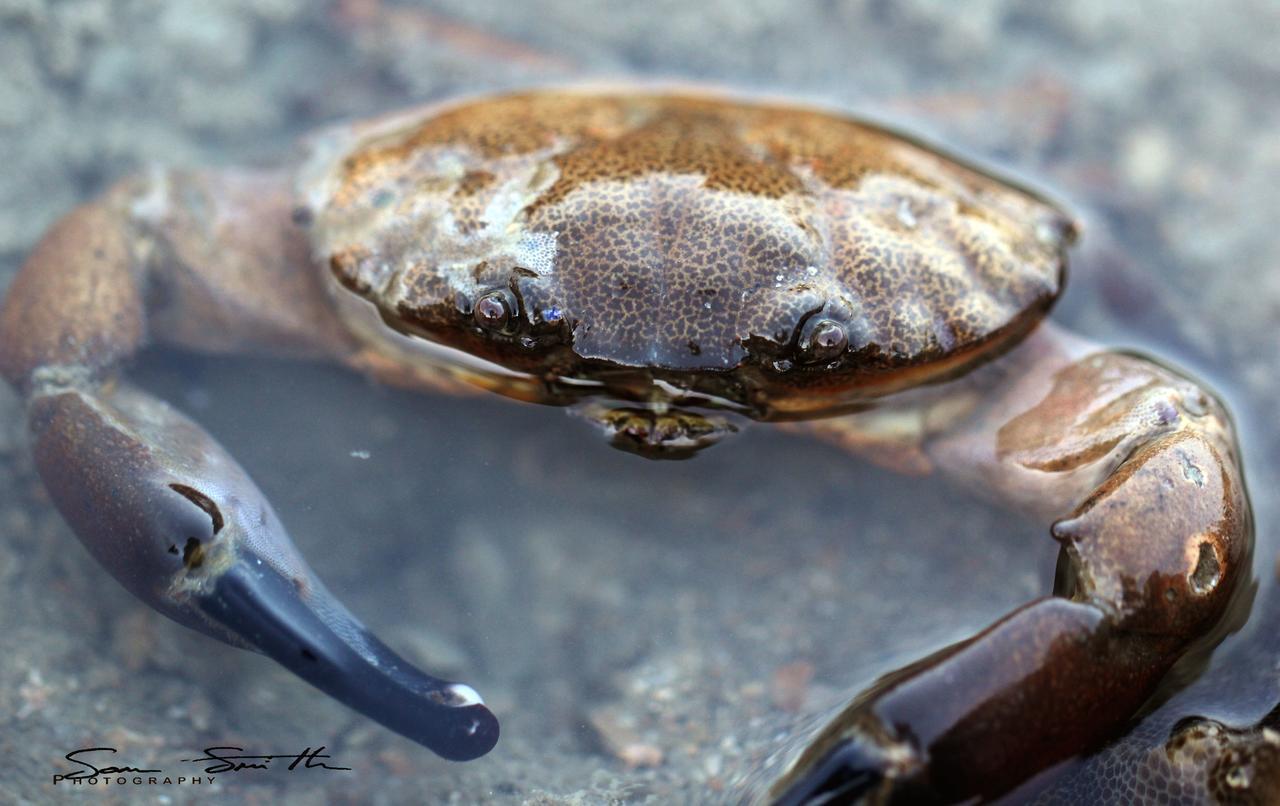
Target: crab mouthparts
<point>658,432</point>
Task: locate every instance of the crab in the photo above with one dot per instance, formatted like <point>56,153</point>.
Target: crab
<point>671,265</point>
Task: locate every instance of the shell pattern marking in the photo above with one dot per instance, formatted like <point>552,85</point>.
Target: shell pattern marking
<point>684,234</point>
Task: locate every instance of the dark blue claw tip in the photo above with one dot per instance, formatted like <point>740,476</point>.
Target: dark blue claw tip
<point>306,630</point>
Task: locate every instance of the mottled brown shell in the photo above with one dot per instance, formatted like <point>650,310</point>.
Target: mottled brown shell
<point>682,234</point>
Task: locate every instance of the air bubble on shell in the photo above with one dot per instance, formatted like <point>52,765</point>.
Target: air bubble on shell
<point>1052,232</point>
<point>906,216</point>
<point>1196,403</point>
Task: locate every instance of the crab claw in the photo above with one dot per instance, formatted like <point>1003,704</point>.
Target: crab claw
<point>316,638</point>
<point>177,521</point>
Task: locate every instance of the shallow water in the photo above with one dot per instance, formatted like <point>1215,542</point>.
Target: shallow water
<point>690,616</point>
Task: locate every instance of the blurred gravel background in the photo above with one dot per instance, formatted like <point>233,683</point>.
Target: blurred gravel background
<point>648,632</point>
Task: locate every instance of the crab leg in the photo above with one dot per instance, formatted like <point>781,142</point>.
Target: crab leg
<point>151,495</point>
<point>1153,551</point>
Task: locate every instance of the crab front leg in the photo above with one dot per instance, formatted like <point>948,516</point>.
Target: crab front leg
<point>208,261</point>
<point>1154,546</point>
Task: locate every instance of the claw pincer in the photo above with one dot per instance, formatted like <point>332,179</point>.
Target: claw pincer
<point>175,519</point>
<point>164,508</point>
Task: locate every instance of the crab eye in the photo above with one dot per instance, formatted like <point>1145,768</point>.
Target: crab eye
<point>826,339</point>
<point>493,311</point>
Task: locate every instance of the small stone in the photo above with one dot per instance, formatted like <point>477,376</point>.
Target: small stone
<point>789,687</point>
<point>396,762</point>
<point>638,754</point>
<point>616,729</point>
